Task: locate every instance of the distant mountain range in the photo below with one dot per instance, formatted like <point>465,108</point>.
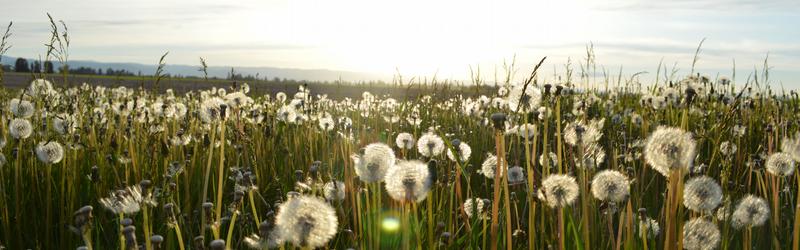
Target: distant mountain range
<point>223,71</point>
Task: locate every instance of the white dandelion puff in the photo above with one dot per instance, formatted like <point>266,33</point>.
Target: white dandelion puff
<point>334,190</point>
<point>727,148</point>
<point>752,211</point>
<point>559,190</point>
<point>20,128</point>
<point>489,166</point>
<point>702,194</point>
<point>576,133</point>
<point>463,151</point>
<point>306,221</point>
<point>405,141</point>
<point>213,110</point>
<point>371,164</point>
<point>700,234</point>
<point>780,164</point>
<point>408,181</point>
<point>128,200</point>
<point>21,108</point>
<point>669,149</point>
<point>516,175</point>
<point>791,146</point>
<point>524,98</point>
<point>611,186</point>
<point>49,152</point>
<point>430,145</point>
<point>648,228</point>
<point>476,207</point>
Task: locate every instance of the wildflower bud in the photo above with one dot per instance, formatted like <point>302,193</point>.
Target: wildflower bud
<point>156,240</point>
<point>690,94</point>
<point>264,228</point>
<point>130,237</point>
<point>559,88</point>
<point>169,209</point>
<point>314,168</point>
<point>456,143</point>
<point>432,170</point>
<point>126,222</point>
<point>95,176</point>
<point>83,216</point>
<point>643,212</point>
<point>238,195</point>
<point>198,242</point>
<point>298,174</point>
<point>445,237</point>
<point>547,88</point>
<point>217,245</point>
<point>222,109</point>
<point>499,120</point>
<point>145,184</point>
<point>207,206</point>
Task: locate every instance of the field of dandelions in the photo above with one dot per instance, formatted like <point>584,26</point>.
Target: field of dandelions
<point>689,163</point>
<point>694,162</point>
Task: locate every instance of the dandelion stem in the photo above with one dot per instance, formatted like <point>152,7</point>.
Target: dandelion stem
<point>221,172</point>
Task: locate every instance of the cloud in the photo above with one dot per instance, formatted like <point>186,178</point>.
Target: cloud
<point>699,5</point>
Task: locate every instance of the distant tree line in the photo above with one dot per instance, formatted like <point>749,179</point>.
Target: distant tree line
<point>22,65</point>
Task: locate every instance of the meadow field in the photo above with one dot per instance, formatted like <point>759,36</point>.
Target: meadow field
<point>692,162</point>
<point>565,161</point>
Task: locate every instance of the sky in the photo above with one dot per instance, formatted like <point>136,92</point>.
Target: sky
<point>425,38</point>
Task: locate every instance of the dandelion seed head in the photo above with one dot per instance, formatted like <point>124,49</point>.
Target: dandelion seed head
<point>559,190</point>
<point>648,228</point>
<point>791,146</point>
<point>21,108</point>
<point>39,87</point>
<point>489,166</point>
<point>727,148</point>
<point>49,152</point>
<point>20,128</point>
<point>780,164</point>
<point>700,234</point>
<point>516,175</point>
<point>524,98</point>
<point>213,110</point>
<point>611,186</point>
<point>463,150</point>
<point>751,211</point>
<point>527,131</point>
<point>306,221</point>
<point>669,149</point>
<point>326,123</point>
<point>430,145</point>
<point>405,141</point>
<point>576,133</point>
<point>334,191</point>
<point>702,194</point>
<point>476,207</point>
<point>408,181</point>
<point>128,200</point>
<point>372,164</point>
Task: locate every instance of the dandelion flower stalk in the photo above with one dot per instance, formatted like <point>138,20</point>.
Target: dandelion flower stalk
<point>499,120</point>
<point>221,168</point>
